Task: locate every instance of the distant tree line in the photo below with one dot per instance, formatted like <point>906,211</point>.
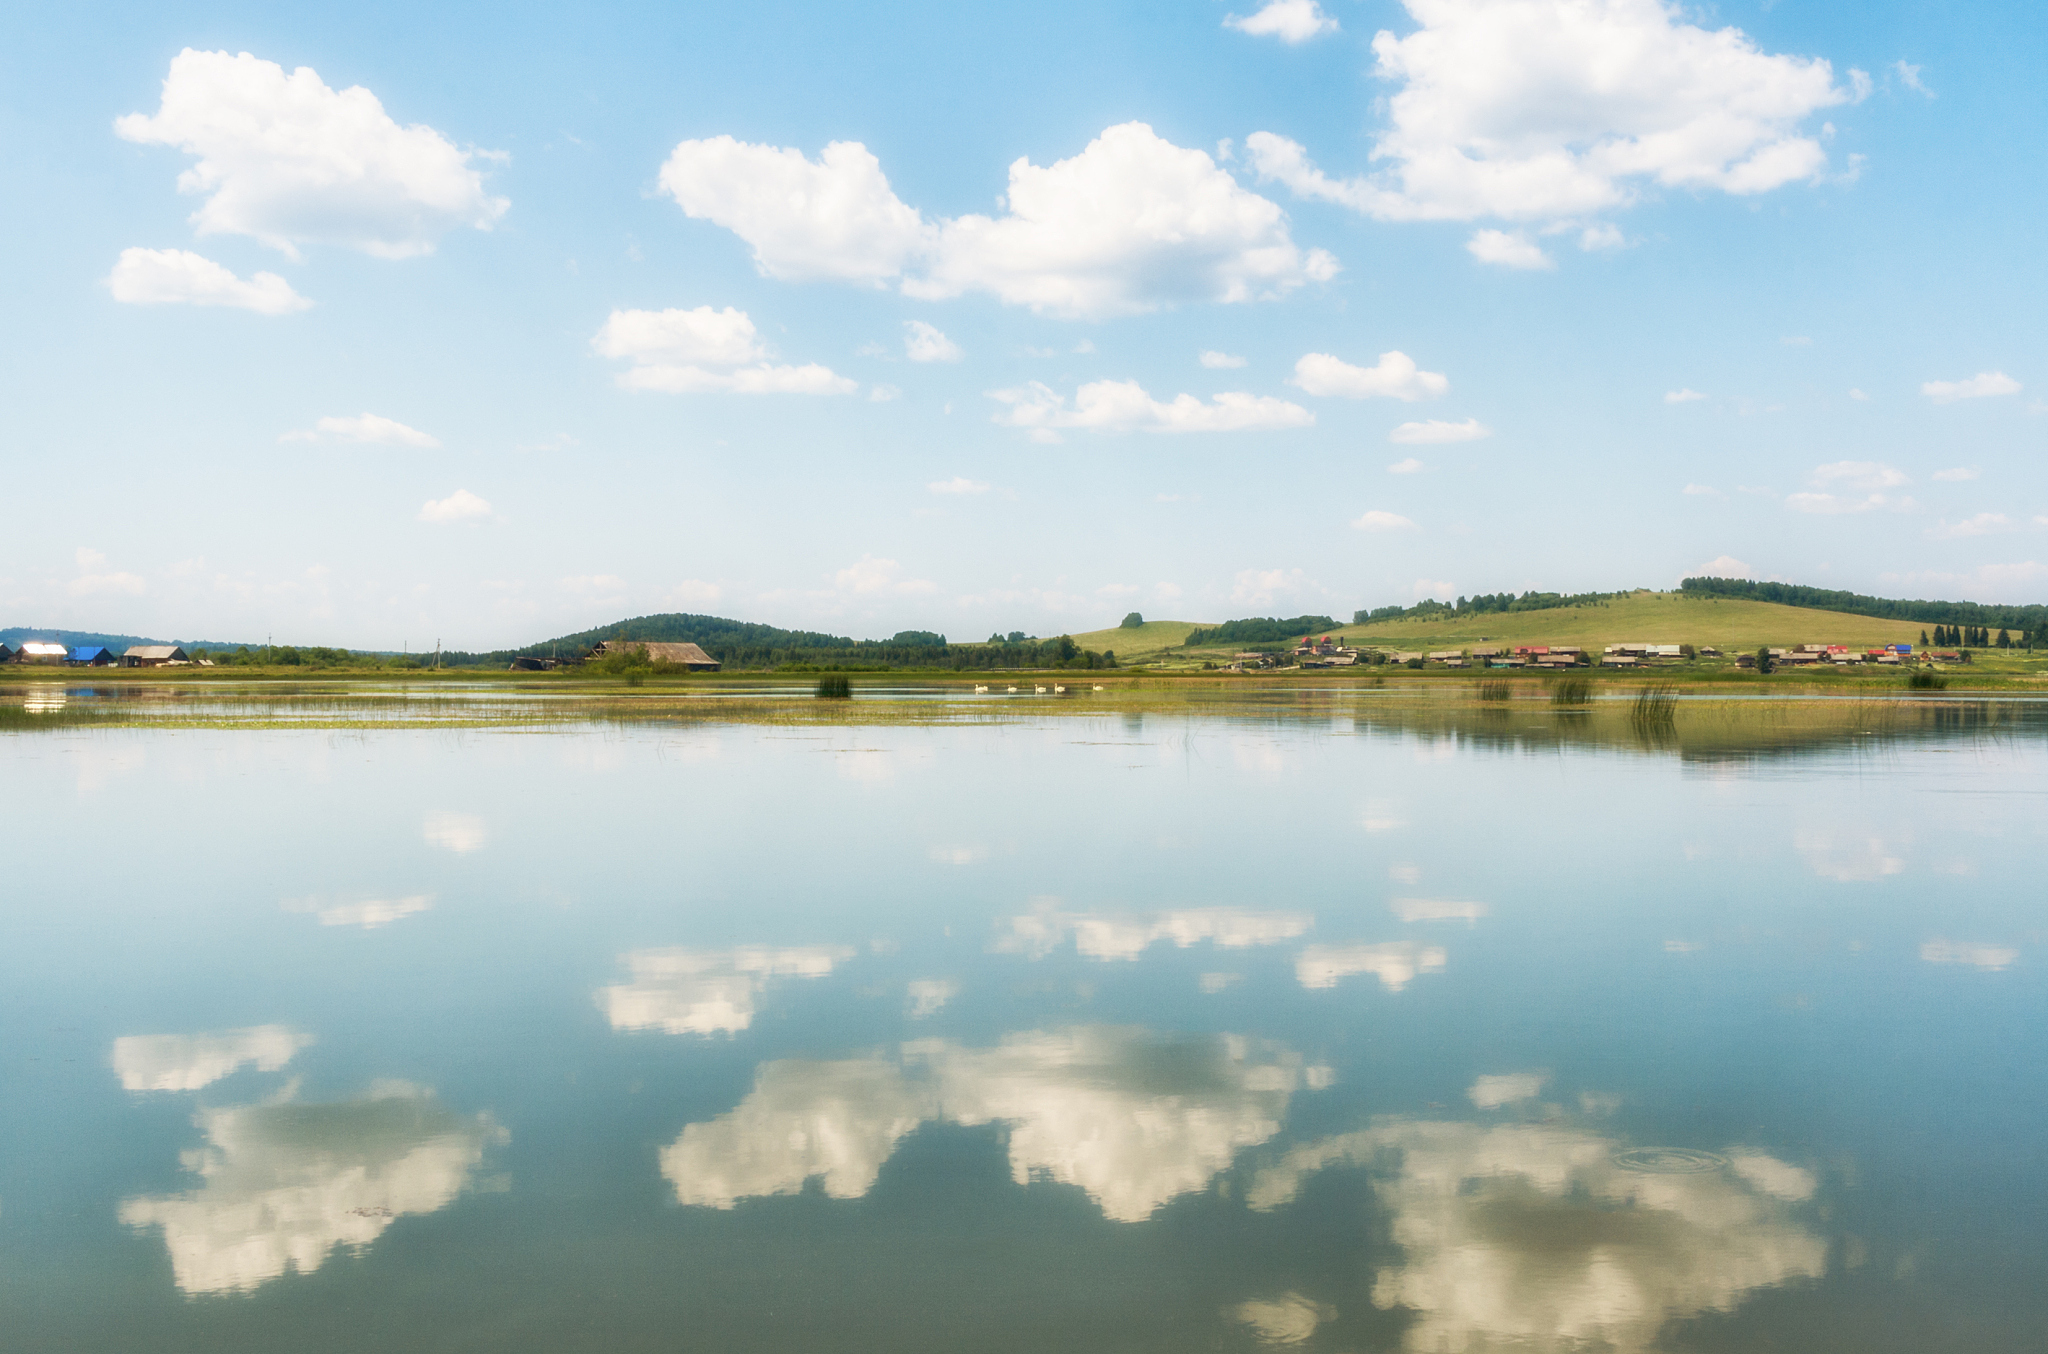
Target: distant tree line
<point>1484,603</point>
<point>1260,630</point>
<point>2032,618</point>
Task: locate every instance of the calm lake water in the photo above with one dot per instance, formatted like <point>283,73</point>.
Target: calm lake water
<point>1128,1033</point>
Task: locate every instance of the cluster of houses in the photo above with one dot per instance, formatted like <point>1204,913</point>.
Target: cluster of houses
<point>1841,655</point>
<point>98,656</point>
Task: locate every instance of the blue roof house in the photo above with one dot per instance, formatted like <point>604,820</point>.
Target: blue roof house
<point>90,656</point>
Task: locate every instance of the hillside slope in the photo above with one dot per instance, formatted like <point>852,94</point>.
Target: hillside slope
<point>1732,624</point>
<point>1143,642</point>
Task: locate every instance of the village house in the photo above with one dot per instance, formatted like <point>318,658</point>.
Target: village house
<point>153,656</point>
<point>40,651</point>
<point>688,656</point>
<point>90,656</point>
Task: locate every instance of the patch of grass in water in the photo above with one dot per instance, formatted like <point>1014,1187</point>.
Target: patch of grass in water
<point>835,686</point>
<point>1571,691</point>
<point>1496,690</point>
<point>1926,681</point>
<point>1654,705</point>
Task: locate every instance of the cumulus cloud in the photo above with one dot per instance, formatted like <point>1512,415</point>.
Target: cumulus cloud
<point>1132,1118</point>
<point>95,579</point>
<point>160,277</point>
<point>1378,519</point>
<point>1123,406</point>
<point>1955,475</point>
<point>1554,110</point>
<point>924,343</point>
<point>928,996</point>
<point>1983,524</point>
<point>288,161</point>
<point>281,1186</point>
<point>1684,396</point>
<point>1292,21</point>
<point>1543,1237</point>
<point>1395,964</point>
<point>1850,487</point>
<point>1220,361</point>
<point>869,576</point>
<point>1703,491</point>
<point>1395,376</point>
<point>692,351</point>
<point>1508,249</point>
<point>959,484</point>
<point>461,833</point>
<point>1909,76</point>
<point>1260,587</point>
<point>460,506</point>
<point>364,427</point>
<point>1046,927</point>
<point>1130,224</point>
<point>187,1062</point>
<point>1723,566</point>
<point>1436,430</point>
<point>1507,1088</point>
<point>684,991</point>
<point>1981,386</point>
<point>1409,466</point>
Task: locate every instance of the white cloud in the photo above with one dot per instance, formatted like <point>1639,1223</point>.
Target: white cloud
<point>370,913</point>
<point>156,277</point>
<point>1909,76</point>
<point>1395,964</point>
<point>924,343</point>
<point>868,576</point>
<point>1980,386</point>
<point>288,161</point>
<point>682,991</point>
<point>1545,1237</point>
<point>364,427</point>
<point>1508,249</point>
<point>1983,524</point>
<point>927,996</point>
<point>1435,909</point>
<point>1123,406</point>
<point>693,351</point>
<point>1130,224</point>
<point>1850,487</point>
<point>1723,566</point>
<point>1409,466</point>
<point>959,484</point>
<point>1436,430</point>
<point>460,506</point>
<point>1046,927</point>
<point>1704,491</point>
<point>1491,1092</point>
<point>1991,957</point>
<point>882,394</point>
<point>461,833</point>
<point>1259,587</point>
<point>1857,395</point>
<point>1131,1118</point>
<point>1684,396</point>
<point>1558,109</point>
<point>1291,21</point>
<point>1379,520</point>
<point>282,1185</point>
<point>1218,361</point>
<point>1395,376</point>
<point>1289,1319</point>
<point>1955,475</point>
<point>1602,235</point>
<point>96,580</point>
<point>187,1062</point>
<point>695,592</point>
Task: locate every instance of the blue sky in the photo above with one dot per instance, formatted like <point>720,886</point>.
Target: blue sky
<point>484,323</point>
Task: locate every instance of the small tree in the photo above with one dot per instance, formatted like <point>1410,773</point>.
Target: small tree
<point>1131,622</point>
<point>1763,659</point>
<point>1923,639</point>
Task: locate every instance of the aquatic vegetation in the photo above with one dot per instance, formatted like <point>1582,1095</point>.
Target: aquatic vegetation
<point>1654,705</point>
<point>1926,681</point>
<point>1570,691</point>
<point>1496,689</point>
<point>835,686</point>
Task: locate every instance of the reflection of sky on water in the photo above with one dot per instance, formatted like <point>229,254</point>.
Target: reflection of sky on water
<point>684,991</point>
<point>1532,1237</point>
<point>1394,963</point>
<point>283,1185</point>
<point>186,1062</point>
<point>367,913</point>
<point>1132,1118</point>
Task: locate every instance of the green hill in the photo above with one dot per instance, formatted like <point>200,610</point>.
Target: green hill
<point>1143,643</point>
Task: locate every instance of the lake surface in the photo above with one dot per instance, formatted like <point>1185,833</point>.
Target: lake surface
<point>1313,1030</point>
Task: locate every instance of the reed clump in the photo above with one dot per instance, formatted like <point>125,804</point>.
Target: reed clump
<point>835,686</point>
<point>1570,691</point>
<point>1654,705</point>
<point>1496,690</point>
<point>1926,681</point>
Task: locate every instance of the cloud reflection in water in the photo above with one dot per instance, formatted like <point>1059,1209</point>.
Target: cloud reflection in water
<point>684,991</point>
<point>186,1062</point>
<point>1046,927</point>
<point>1395,964</point>
<point>1131,1117</point>
<point>283,1185</point>
<point>1534,1237</point>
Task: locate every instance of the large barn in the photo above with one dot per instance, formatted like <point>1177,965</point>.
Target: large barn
<point>682,655</point>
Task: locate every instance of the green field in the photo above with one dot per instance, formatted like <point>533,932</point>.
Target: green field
<point>1143,643</point>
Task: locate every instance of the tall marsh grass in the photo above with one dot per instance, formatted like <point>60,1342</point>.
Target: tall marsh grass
<point>835,686</point>
<point>1496,690</point>
<point>1926,681</point>
<point>1654,705</point>
<point>1571,691</point>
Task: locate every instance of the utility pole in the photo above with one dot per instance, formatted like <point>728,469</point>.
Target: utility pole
<point>437,653</point>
